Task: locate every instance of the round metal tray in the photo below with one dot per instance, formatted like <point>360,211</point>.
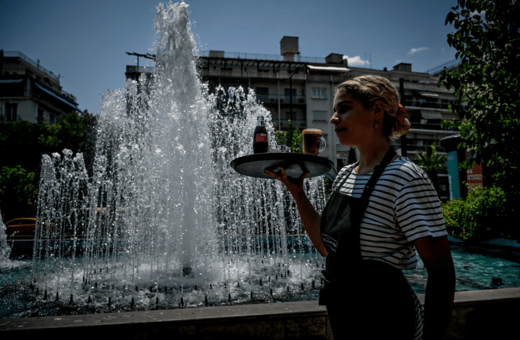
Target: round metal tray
<point>294,164</point>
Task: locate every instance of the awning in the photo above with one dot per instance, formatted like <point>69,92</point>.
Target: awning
<point>58,97</point>
<point>431,115</point>
<point>328,68</point>
<point>10,81</point>
<point>429,95</point>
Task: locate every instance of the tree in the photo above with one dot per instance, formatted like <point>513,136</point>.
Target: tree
<point>22,145</point>
<point>430,162</point>
<point>18,190</point>
<point>291,137</point>
<point>487,83</point>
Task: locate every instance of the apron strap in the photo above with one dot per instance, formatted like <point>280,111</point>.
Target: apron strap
<point>369,188</point>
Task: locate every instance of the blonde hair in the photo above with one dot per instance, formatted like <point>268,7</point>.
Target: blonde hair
<point>368,90</point>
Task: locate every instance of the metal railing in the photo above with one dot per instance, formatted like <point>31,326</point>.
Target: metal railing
<point>250,74</point>
<point>140,69</point>
<point>450,65</point>
<point>284,99</point>
<point>299,123</point>
<point>431,105</point>
<point>17,54</point>
<point>257,56</point>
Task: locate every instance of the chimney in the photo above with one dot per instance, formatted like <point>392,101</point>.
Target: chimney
<point>289,47</point>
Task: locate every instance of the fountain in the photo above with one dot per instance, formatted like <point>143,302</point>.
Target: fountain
<point>163,220</point>
<point>5,250</point>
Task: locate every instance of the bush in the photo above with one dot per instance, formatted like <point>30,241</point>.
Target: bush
<point>484,215</point>
<point>18,192</point>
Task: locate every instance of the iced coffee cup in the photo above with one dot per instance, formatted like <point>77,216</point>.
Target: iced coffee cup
<point>313,142</point>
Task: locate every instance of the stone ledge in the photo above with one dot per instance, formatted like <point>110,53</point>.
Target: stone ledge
<point>477,314</point>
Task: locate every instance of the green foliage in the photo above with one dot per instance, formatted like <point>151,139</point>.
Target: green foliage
<point>22,145</point>
<point>291,137</point>
<point>430,162</point>
<point>18,192</point>
<point>483,215</point>
<point>488,83</point>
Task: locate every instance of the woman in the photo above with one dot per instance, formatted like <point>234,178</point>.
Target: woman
<point>382,209</point>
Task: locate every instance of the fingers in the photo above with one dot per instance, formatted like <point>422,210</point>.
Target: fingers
<point>281,177</point>
<point>302,177</point>
<point>272,174</point>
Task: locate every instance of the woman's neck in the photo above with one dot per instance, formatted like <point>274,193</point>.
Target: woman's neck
<point>371,156</point>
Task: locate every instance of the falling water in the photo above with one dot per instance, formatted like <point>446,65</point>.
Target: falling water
<point>163,218</point>
<point>5,249</point>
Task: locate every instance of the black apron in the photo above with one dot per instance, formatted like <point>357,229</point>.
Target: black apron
<point>359,294</point>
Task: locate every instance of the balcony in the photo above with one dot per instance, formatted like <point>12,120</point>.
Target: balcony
<point>258,56</point>
<point>430,105</point>
<point>284,100</point>
<point>251,74</point>
<point>298,123</point>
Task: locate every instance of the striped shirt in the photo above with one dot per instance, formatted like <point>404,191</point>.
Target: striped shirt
<point>403,207</point>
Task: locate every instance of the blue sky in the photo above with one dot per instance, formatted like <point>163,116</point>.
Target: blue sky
<point>85,41</point>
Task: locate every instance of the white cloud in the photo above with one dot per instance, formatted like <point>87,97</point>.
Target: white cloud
<point>415,50</point>
<point>355,61</point>
<point>477,13</point>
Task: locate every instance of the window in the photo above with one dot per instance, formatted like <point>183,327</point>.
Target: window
<point>291,116</point>
<point>288,93</point>
<point>319,116</point>
<point>10,112</point>
<point>318,93</point>
<point>40,114</point>
<point>51,119</point>
<point>262,94</point>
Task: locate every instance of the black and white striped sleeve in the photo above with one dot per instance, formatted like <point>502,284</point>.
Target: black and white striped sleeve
<point>418,210</point>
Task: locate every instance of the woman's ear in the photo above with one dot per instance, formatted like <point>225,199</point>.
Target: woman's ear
<point>379,110</point>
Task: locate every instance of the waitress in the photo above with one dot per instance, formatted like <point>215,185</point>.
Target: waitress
<point>382,210</point>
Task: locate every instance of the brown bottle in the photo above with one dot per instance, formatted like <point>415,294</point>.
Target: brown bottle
<point>260,144</point>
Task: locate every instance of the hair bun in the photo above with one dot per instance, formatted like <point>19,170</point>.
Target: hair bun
<point>402,125</point>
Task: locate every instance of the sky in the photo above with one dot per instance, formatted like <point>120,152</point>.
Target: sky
<point>85,42</point>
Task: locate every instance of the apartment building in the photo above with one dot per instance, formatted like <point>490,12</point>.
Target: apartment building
<point>302,89</point>
<point>28,91</point>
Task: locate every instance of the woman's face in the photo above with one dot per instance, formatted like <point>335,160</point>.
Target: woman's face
<point>353,122</point>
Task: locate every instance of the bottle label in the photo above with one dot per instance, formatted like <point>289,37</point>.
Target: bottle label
<point>261,138</point>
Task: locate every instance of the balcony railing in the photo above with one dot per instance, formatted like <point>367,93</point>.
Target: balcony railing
<point>432,105</point>
<point>251,74</point>
<point>32,62</point>
<point>273,99</point>
<point>256,56</point>
<point>299,123</point>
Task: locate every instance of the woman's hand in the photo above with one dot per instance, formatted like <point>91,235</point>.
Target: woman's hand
<point>294,185</point>
<point>310,218</point>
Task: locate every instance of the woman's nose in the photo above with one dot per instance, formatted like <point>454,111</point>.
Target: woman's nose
<point>334,119</point>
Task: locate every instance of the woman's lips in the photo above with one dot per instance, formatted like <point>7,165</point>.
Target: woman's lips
<point>338,130</point>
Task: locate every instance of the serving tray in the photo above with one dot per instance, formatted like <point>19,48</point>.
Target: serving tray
<point>294,164</point>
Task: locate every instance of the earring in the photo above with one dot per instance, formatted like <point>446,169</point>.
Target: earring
<point>376,126</point>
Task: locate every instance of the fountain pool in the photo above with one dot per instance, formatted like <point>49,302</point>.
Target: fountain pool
<point>475,268</point>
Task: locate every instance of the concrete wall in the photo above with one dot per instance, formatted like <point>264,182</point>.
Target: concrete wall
<point>485,314</point>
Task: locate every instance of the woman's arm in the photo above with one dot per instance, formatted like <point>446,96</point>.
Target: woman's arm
<point>310,218</point>
<point>440,289</point>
